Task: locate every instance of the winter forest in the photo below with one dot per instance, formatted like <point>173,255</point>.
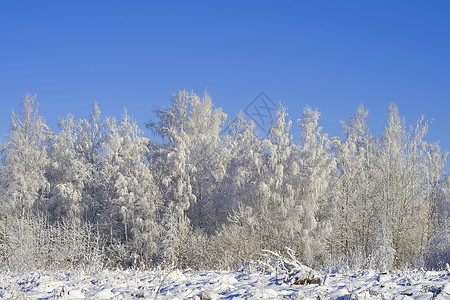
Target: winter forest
<point>96,193</point>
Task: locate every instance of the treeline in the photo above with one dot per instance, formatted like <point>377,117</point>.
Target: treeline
<point>100,194</point>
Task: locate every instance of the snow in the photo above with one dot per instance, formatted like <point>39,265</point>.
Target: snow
<point>189,284</point>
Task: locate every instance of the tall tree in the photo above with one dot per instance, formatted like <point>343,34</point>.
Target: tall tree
<point>245,192</point>
<point>355,195</point>
<point>280,173</point>
<point>25,161</point>
<point>89,147</point>
<point>171,159</point>
<point>66,173</point>
<point>411,171</point>
<point>206,155</point>
<point>133,200</point>
<point>316,165</point>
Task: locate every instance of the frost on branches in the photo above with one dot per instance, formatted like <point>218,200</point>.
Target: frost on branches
<point>96,193</point>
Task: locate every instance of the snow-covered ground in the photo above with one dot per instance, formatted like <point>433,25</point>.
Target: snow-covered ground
<point>222,285</point>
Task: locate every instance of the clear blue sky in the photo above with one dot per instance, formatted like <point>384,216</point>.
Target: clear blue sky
<point>330,55</point>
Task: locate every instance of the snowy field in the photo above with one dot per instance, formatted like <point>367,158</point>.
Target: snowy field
<point>223,285</point>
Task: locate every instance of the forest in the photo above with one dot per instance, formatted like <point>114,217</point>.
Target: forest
<point>96,193</point>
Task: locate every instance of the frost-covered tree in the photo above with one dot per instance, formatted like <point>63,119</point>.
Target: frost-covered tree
<point>245,168</point>
<point>243,233</point>
<point>438,254</point>
<point>411,169</point>
<point>188,164</point>
<point>134,200</point>
<point>206,155</point>
<point>25,160</point>
<point>392,163</point>
<point>356,188</point>
<point>316,166</point>
<point>66,173</point>
<point>433,185</point>
<point>89,146</point>
<point>280,178</point>
<point>196,197</point>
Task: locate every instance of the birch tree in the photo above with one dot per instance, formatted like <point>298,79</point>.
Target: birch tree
<point>134,199</point>
<point>25,161</point>
<point>170,160</point>
<point>316,165</point>
<point>89,146</point>
<point>355,196</point>
<point>66,173</point>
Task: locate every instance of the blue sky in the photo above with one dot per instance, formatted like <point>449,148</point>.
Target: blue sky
<point>330,55</point>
